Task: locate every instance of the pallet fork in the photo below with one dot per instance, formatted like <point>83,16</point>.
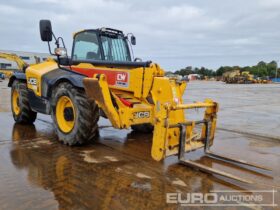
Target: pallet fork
<point>208,153</point>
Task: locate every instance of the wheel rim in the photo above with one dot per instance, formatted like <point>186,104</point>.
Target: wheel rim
<point>65,114</point>
<point>15,102</point>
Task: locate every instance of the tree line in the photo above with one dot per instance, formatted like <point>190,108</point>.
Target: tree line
<point>262,69</point>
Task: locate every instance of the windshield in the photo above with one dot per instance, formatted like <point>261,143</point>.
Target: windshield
<point>87,47</point>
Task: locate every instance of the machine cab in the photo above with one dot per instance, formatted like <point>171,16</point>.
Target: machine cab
<point>101,44</point>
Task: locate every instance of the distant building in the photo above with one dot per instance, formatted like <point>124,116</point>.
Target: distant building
<point>193,76</point>
<point>28,57</point>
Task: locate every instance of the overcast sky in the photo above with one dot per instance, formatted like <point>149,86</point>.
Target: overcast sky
<point>173,33</point>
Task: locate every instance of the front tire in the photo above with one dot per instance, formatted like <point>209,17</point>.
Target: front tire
<point>21,110</point>
<point>75,118</point>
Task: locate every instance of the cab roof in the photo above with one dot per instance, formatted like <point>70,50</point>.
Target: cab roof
<point>101,30</point>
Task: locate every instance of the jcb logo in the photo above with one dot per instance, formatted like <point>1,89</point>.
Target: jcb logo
<point>141,115</point>
<point>121,77</point>
<point>32,81</point>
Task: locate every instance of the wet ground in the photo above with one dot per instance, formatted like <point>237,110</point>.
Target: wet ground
<point>117,172</point>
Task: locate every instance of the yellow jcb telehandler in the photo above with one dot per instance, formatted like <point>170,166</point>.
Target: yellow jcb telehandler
<point>101,78</point>
<point>22,65</point>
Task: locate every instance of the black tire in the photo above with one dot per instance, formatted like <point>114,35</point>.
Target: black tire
<point>87,115</point>
<point>25,115</point>
<point>143,128</point>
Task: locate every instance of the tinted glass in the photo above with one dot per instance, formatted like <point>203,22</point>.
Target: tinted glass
<point>115,48</point>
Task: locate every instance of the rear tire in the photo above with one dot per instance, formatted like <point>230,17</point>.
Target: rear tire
<point>143,128</point>
<point>21,110</point>
<point>75,120</point>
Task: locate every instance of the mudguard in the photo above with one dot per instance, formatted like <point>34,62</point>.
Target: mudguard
<point>51,79</point>
<point>16,75</point>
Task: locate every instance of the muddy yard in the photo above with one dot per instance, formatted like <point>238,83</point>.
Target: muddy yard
<point>117,171</point>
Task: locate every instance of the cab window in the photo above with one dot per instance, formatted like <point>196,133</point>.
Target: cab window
<point>115,48</point>
<point>86,46</point>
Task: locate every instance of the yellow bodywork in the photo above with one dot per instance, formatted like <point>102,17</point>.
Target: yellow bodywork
<point>35,72</point>
<point>8,73</point>
<point>158,101</point>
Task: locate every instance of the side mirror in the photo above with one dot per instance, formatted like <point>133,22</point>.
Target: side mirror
<point>46,30</point>
<point>133,40</point>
